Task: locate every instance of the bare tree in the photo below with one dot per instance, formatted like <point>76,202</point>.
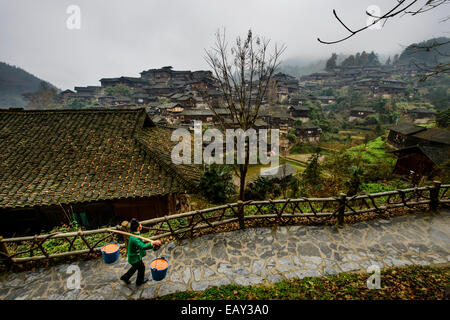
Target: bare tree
<point>243,72</point>
<point>401,8</point>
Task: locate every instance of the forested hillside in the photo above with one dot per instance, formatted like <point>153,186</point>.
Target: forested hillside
<point>430,52</point>
<point>14,82</point>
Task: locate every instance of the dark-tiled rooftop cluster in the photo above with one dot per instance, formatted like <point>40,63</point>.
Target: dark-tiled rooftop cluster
<point>69,156</point>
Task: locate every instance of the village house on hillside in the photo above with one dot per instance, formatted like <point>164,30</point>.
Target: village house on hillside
<point>360,113</point>
<point>402,135</point>
<point>308,132</point>
<point>182,87</point>
<point>277,117</point>
<point>300,111</point>
<point>189,116</point>
<point>424,151</point>
<point>109,165</point>
<point>421,115</point>
<point>434,137</point>
<point>417,161</point>
<point>281,88</point>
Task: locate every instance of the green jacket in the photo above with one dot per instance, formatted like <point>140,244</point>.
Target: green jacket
<point>136,249</point>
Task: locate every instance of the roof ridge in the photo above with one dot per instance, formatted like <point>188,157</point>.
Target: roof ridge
<point>86,110</point>
<point>156,155</point>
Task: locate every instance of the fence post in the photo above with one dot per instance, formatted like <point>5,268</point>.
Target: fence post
<point>4,249</point>
<point>241,214</point>
<point>342,198</point>
<point>434,196</point>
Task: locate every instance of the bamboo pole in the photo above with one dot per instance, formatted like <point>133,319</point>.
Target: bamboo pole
<point>57,255</point>
<point>130,235</point>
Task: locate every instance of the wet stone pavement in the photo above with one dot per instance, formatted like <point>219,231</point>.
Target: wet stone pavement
<point>248,257</point>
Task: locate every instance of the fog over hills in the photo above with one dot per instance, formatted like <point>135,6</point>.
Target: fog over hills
<point>15,81</point>
<point>124,38</point>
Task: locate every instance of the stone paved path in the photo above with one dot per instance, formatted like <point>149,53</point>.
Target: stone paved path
<point>250,257</point>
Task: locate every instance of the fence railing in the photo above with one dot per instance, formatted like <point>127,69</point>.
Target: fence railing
<point>186,225</point>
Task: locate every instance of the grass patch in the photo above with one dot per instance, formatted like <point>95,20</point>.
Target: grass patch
<point>302,148</point>
<point>405,283</point>
<point>371,152</point>
<point>390,185</point>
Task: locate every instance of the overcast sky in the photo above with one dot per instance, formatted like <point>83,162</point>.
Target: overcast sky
<point>123,38</point>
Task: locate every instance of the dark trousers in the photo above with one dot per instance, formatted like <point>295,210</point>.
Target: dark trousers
<point>140,267</point>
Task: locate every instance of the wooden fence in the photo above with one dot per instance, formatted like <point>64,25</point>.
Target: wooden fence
<point>186,225</point>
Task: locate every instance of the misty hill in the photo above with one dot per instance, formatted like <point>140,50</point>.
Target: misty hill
<point>414,53</point>
<point>299,67</point>
<point>14,82</point>
<point>430,52</point>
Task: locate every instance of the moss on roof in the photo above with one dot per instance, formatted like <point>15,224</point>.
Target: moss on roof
<point>69,156</point>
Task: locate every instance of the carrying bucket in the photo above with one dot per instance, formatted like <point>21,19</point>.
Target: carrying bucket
<point>159,267</point>
<point>110,252</point>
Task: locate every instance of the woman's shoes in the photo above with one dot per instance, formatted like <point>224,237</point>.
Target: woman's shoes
<point>124,280</point>
<point>140,284</point>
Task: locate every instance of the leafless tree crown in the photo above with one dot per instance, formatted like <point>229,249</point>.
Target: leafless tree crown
<point>243,72</point>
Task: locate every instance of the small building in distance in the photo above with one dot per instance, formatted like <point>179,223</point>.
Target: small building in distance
<point>326,100</point>
<point>357,113</point>
<point>65,96</point>
<point>279,173</point>
<point>421,115</point>
<point>299,111</point>
<point>188,116</point>
<point>308,132</point>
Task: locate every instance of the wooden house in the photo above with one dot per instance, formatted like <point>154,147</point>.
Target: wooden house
<point>299,111</point>
<point>361,112</point>
<point>308,132</point>
<point>65,96</point>
<point>170,109</point>
<point>402,135</point>
<point>421,113</point>
<point>127,81</point>
<point>162,75</point>
<point>417,161</point>
<point>433,137</point>
<point>188,116</point>
<point>325,100</point>
<point>111,165</point>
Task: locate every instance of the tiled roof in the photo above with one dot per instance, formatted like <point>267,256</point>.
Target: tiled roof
<point>436,154</point>
<point>435,135</point>
<point>69,156</point>
<point>363,109</point>
<point>406,128</point>
<point>421,110</point>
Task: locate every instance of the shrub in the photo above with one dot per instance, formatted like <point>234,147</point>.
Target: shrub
<point>259,188</point>
<point>216,183</point>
